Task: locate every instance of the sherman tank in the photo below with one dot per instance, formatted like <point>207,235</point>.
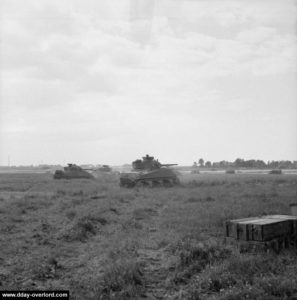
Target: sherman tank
<point>104,168</point>
<point>73,171</point>
<point>149,172</point>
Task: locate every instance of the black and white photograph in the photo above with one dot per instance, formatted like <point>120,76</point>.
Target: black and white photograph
<point>148,149</point>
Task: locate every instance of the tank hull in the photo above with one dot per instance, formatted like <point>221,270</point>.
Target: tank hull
<point>72,172</point>
<point>161,177</point>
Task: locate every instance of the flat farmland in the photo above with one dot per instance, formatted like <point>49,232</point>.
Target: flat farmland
<point>101,241</point>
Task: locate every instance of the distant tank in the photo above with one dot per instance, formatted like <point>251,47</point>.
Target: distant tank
<point>104,168</point>
<point>195,171</point>
<point>276,172</point>
<point>149,172</point>
<point>72,171</point>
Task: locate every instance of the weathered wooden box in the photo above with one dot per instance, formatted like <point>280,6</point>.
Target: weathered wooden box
<point>263,228</point>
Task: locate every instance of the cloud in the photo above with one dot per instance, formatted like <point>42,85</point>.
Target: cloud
<point>100,72</point>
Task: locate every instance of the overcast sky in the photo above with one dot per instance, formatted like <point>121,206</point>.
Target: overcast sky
<point>108,81</point>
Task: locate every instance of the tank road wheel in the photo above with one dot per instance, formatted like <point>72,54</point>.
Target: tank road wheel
<point>149,183</point>
<point>126,182</point>
<point>142,183</point>
<point>122,184</point>
<point>167,182</point>
<point>176,181</point>
<point>155,183</point>
<point>59,174</point>
<point>145,183</point>
<point>139,184</point>
<point>132,184</point>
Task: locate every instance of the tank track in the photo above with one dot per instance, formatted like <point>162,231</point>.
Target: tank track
<point>150,182</point>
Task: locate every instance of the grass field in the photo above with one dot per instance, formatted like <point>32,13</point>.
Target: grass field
<point>101,241</point>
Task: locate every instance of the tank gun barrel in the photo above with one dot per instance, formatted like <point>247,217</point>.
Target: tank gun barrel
<point>168,165</point>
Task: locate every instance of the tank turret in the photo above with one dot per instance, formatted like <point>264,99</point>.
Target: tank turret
<point>148,163</point>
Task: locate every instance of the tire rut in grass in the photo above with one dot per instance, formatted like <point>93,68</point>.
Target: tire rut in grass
<point>155,272</point>
<point>156,260</point>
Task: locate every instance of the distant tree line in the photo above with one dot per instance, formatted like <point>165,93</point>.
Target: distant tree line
<point>250,164</point>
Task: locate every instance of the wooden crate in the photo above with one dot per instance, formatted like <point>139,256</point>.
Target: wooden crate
<point>263,228</point>
<point>292,218</point>
<point>237,228</point>
<point>275,245</point>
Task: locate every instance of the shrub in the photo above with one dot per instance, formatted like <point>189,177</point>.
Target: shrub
<point>247,267</point>
<point>199,199</point>
<point>218,282</point>
<point>276,172</point>
<point>83,228</point>
<point>195,256</point>
<point>121,280</point>
<point>204,253</point>
<point>245,292</point>
<point>230,171</point>
<point>279,287</point>
<point>144,213</point>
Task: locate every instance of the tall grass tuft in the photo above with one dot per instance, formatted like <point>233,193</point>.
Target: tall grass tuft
<point>83,228</point>
<point>195,256</point>
<point>121,280</point>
